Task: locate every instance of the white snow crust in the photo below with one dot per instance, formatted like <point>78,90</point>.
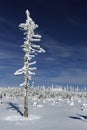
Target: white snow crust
<point>49,109</point>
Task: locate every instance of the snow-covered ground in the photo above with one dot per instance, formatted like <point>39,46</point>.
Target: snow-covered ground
<point>46,115</point>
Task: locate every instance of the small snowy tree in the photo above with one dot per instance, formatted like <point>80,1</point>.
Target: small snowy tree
<point>31,49</point>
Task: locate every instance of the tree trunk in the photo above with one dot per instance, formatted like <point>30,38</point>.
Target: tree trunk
<point>26,101</point>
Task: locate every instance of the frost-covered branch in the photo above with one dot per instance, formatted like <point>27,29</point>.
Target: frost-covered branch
<point>30,48</point>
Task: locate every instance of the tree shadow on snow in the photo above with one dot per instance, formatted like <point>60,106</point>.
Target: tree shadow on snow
<point>84,117</point>
<point>14,106</point>
<point>75,117</point>
<point>79,117</point>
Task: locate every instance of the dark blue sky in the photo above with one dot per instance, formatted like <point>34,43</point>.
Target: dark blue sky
<point>63,26</point>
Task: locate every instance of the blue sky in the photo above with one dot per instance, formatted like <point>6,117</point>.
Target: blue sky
<point>63,26</point>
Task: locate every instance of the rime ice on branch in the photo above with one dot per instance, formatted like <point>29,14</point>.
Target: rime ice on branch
<point>30,49</point>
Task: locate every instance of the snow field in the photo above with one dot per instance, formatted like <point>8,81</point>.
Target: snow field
<point>49,109</point>
<point>60,116</point>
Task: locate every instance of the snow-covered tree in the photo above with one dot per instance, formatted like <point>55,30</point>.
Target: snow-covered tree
<point>31,49</point>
